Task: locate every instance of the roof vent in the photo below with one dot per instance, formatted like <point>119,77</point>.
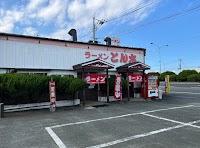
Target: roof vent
<point>73,34</point>
<point>107,41</point>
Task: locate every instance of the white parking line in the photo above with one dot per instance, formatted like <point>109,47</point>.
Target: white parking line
<point>170,120</point>
<point>62,145</point>
<point>187,97</point>
<point>55,138</point>
<point>184,92</point>
<point>121,116</point>
<point>142,135</point>
<point>195,87</point>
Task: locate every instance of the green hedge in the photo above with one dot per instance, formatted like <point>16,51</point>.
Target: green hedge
<point>162,75</point>
<point>172,77</point>
<point>198,77</point>
<point>22,88</point>
<point>193,78</point>
<point>182,76</point>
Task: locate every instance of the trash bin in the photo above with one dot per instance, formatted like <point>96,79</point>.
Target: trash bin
<point>160,94</point>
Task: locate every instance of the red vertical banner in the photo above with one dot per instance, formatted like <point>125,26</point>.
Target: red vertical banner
<point>52,92</point>
<point>118,87</point>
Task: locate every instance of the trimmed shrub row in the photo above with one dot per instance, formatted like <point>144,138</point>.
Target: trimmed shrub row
<point>22,88</point>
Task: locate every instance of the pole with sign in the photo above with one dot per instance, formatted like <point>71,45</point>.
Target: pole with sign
<point>52,91</point>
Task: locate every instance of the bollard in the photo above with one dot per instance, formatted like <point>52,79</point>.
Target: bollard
<point>1,110</point>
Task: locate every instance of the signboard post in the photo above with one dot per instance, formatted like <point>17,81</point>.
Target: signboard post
<point>118,87</point>
<point>52,91</point>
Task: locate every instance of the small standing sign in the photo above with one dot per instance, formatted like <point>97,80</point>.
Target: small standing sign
<point>52,91</point>
<point>167,84</point>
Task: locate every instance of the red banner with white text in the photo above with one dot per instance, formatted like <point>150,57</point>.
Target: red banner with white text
<point>135,77</point>
<point>118,87</point>
<point>52,92</point>
<point>95,78</point>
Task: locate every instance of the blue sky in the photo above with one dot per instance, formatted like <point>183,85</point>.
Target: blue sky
<point>136,23</point>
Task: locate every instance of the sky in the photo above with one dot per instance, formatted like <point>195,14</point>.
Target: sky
<point>137,23</point>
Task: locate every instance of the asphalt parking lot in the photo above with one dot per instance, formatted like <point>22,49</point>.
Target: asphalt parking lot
<point>173,121</point>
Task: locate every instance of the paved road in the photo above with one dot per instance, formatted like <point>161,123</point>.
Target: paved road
<point>183,84</point>
<point>173,121</point>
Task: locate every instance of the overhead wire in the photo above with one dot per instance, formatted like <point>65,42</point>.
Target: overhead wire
<point>184,12</point>
<point>122,14</point>
<point>129,11</point>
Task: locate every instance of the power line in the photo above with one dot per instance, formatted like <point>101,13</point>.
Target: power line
<point>122,14</point>
<point>129,11</point>
<point>184,12</point>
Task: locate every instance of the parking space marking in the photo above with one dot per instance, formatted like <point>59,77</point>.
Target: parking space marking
<point>121,116</point>
<point>195,87</point>
<point>55,138</point>
<point>60,144</point>
<point>170,120</point>
<point>187,97</point>
<point>142,135</point>
<point>176,92</point>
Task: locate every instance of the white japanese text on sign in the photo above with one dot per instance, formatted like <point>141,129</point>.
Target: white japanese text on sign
<point>135,77</point>
<point>95,78</point>
<point>118,87</point>
<point>52,91</point>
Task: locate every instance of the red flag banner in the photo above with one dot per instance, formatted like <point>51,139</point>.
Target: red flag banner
<point>135,77</point>
<point>95,78</point>
<point>52,91</point>
<point>118,87</point>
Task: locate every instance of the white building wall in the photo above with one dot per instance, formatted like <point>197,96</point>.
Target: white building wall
<point>22,55</point>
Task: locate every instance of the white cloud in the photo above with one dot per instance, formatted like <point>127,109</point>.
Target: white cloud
<point>62,15</point>
<point>7,21</point>
<point>61,34</point>
<point>35,4</point>
<point>52,10</point>
<point>30,31</point>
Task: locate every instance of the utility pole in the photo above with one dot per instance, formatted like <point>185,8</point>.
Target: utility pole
<point>94,29</point>
<point>180,66</point>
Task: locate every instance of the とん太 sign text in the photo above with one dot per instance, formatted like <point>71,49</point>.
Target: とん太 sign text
<point>114,57</point>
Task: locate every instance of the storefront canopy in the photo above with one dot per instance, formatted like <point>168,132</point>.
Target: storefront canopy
<point>94,64</point>
<point>135,66</point>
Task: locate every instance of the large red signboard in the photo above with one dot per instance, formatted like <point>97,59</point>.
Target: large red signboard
<point>118,87</point>
<point>95,78</point>
<point>135,77</point>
